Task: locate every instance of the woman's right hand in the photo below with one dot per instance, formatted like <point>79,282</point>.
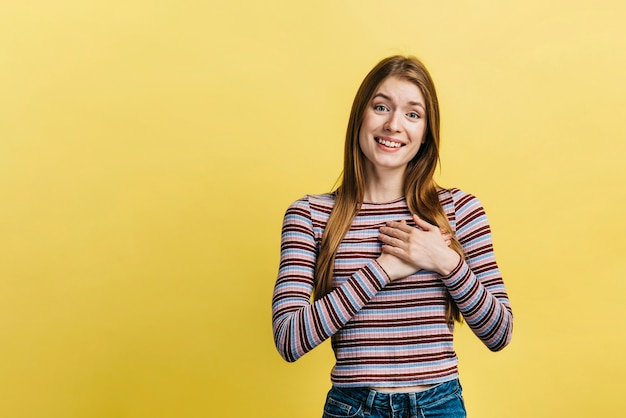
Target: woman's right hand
<point>396,257</point>
<point>394,266</point>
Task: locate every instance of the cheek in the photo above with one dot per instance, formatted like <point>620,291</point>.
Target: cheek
<point>420,138</point>
<point>415,150</point>
<point>362,151</point>
<point>362,139</point>
<point>369,121</point>
<point>420,134</point>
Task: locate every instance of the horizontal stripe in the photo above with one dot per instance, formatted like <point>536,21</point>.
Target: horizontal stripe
<point>385,333</point>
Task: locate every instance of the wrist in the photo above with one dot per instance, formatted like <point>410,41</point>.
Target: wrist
<point>383,262</point>
<point>449,263</point>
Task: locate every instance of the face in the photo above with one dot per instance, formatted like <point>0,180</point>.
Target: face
<point>394,126</point>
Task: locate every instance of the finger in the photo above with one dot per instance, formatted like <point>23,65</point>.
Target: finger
<point>401,225</point>
<point>394,232</point>
<point>390,241</point>
<point>392,250</point>
<point>423,224</point>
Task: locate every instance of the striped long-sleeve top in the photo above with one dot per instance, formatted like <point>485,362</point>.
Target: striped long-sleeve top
<point>386,333</point>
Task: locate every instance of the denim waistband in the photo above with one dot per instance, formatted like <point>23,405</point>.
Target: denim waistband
<point>373,399</point>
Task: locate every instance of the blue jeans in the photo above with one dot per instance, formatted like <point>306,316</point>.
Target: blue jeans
<point>443,400</point>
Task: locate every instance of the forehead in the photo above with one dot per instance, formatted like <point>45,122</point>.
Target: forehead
<point>399,89</point>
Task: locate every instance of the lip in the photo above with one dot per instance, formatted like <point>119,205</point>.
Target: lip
<point>388,139</point>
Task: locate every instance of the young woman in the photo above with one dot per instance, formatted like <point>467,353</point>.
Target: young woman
<point>390,260</point>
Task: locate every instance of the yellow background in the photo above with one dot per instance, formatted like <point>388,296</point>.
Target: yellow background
<point>148,150</point>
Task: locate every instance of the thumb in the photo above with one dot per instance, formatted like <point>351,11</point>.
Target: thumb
<point>422,224</point>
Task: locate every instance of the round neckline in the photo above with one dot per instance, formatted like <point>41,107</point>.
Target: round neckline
<point>390,202</point>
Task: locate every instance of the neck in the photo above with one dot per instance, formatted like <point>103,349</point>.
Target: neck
<point>384,187</point>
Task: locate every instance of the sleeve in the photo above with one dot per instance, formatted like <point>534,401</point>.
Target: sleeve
<point>298,324</point>
<point>476,284</point>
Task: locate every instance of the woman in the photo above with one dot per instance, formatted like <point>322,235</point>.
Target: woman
<point>391,260</point>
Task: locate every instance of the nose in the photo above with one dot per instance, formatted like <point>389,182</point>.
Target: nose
<point>392,124</point>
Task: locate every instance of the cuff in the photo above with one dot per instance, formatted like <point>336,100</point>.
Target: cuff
<point>455,270</point>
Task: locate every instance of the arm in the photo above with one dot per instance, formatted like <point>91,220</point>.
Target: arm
<point>475,283</point>
<point>299,325</point>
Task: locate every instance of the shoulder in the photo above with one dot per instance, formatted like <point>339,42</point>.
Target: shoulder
<point>309,213</point>
<point>466,210</point>
<point>314,200</point>
<point>463,207</point>
<point>321,200</point>
<point>459,199</point>
<point>310,204</point>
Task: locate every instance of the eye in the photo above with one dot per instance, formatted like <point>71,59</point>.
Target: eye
<point>380,108</point>
<point>413,115</point>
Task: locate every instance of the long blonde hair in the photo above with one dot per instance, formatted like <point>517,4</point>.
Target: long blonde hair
<point>419,186</point>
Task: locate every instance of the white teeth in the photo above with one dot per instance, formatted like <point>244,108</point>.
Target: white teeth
<point>388,143</point>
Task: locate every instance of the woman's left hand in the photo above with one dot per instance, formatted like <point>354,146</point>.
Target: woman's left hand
<point>424,249</point>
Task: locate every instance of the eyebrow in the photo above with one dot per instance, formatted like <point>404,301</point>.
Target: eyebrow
<point>412,103</point>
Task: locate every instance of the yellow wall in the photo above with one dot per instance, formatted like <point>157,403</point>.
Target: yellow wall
<point>148,150</point>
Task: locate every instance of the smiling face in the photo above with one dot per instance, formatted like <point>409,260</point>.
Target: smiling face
<point>394,126</point>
